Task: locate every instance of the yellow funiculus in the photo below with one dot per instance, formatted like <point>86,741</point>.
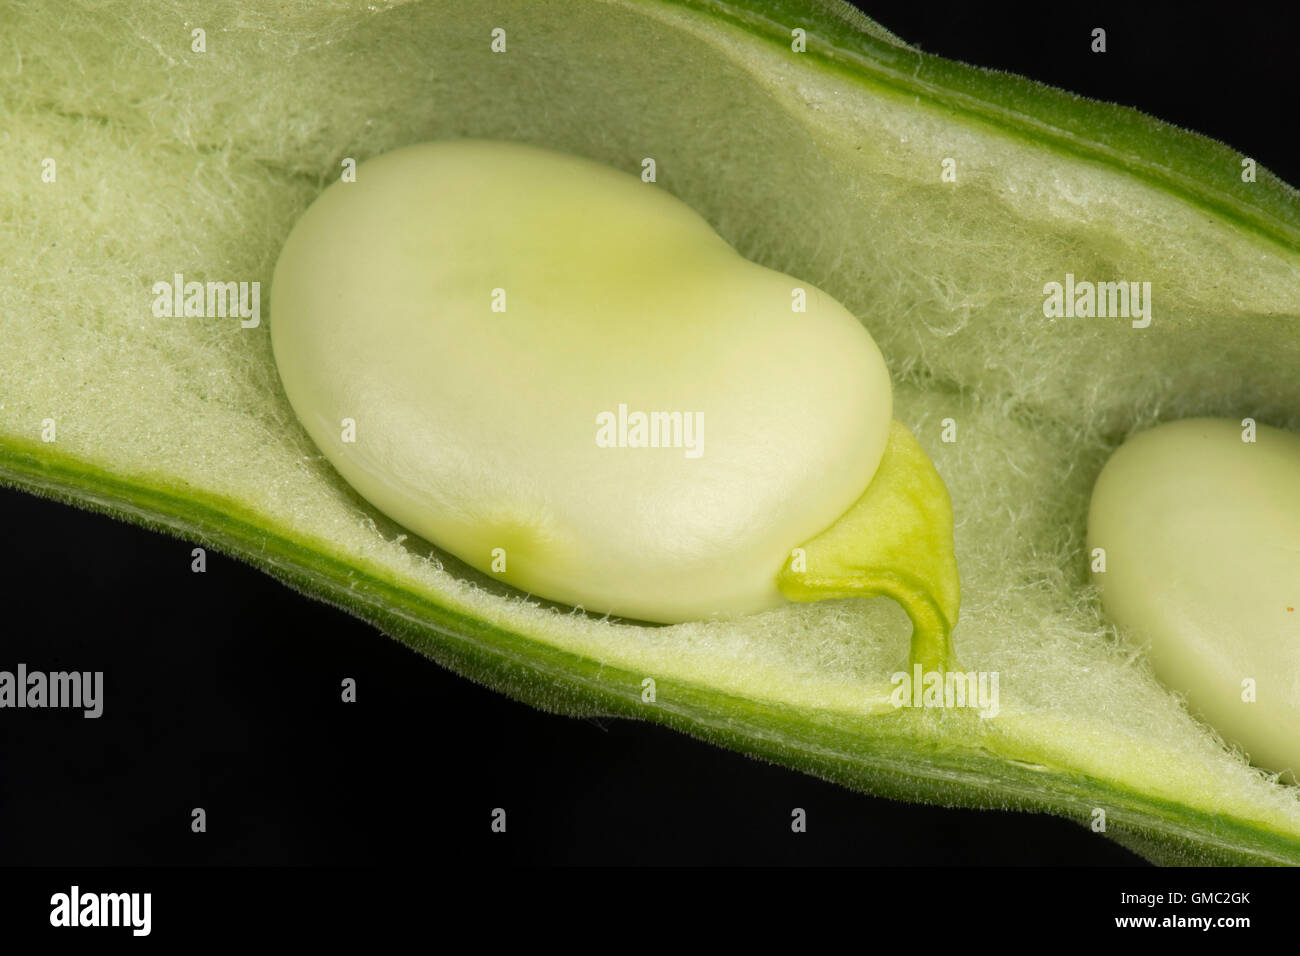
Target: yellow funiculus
<point>562,375</point>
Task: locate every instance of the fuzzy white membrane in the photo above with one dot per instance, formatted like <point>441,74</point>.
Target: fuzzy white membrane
<point>200,163</point>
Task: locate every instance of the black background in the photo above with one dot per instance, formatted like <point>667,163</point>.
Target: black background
<point>223,688</point>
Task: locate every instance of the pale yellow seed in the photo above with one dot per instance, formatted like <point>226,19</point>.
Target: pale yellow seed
<point>1201,534</point>
<point>475,308</point>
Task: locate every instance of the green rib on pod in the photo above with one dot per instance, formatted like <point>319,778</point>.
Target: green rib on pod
<point>824,165</point>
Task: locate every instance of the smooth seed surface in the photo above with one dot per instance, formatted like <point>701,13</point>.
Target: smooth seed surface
<point>480,428</point>
<point>1202,538</point>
